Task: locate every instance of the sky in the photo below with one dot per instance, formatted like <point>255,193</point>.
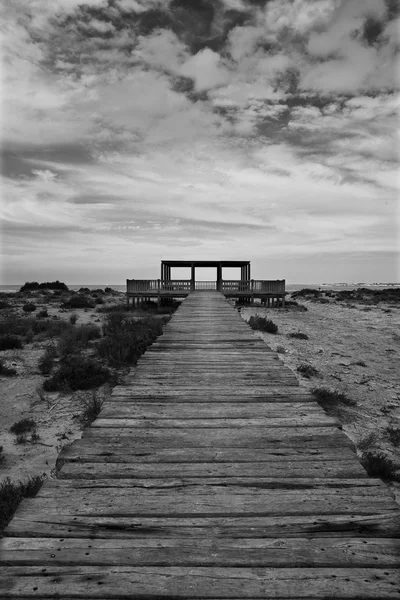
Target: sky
<point>139,130</point>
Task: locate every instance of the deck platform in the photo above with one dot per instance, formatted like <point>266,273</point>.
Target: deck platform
<point>209,474</point>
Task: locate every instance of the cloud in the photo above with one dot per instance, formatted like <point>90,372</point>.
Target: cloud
<point>207,70</point>
<point>154,128</point>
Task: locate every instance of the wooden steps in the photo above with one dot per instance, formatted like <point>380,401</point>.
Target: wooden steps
<point>208,474</point>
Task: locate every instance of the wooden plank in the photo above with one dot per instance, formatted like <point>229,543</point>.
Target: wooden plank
<point>299,469</point>
<point>200,582</point>
<point>367,526</point>
<point>185,552</point>
<point>121,450</point>
<point>264,422</point>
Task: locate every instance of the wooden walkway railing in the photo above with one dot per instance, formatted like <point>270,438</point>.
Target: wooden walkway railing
<point>209,474</point>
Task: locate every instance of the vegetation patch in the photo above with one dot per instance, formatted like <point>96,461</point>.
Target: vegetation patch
<point>10,342</point>
<point>42,314</point>
<point>77,372</point>
<point>6,371</point>
<point>298,335</point>
<point>29,307</point>
<point>46,361</point>
<point>92,409</point>
<point>125,340</point>
<point>78,301</point>
<point>11,494</point>
<point>334,403</point>
<point>23,426</point>
<point>281,350</point>
<point>307,371</point>
<point>393,432</point>
<point>30,286</point>
<point>378,464</point>
<point>29,327</point>
<point>262,324</point>
<point>4,304</point>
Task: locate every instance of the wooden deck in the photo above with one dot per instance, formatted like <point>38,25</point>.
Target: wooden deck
<point>209,474</point>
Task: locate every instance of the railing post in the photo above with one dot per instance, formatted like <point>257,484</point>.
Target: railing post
<point>252,284</point>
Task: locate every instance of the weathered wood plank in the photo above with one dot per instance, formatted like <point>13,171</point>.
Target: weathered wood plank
<point>264,422</point>
<point>185,552</point>
<point>280,472</point>
<point>200,582</point>
<point>379,524</point>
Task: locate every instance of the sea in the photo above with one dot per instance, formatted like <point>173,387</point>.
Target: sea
<point>290,287</point>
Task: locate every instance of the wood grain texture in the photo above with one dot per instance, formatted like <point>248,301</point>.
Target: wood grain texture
<point>210,473</point>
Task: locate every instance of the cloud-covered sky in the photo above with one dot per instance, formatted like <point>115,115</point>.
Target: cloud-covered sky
<point>141,130</point>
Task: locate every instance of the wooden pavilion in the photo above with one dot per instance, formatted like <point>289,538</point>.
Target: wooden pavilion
<point>245,289</point>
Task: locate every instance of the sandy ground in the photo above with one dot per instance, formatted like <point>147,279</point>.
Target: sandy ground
<point>339,338</point>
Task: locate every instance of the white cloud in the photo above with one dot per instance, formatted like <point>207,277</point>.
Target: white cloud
<point>207,70</point>
<point>162,49</point>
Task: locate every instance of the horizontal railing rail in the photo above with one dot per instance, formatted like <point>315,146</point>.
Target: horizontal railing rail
<point>185,285</point>
<point>205,285</point>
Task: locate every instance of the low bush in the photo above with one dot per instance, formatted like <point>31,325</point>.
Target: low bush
<point>360,363</point>
<point>46,361</point>
<point>11,495</point>
<point>10,342</point>
<point>99,301</point>
<point>78,301</point>
<point>367,441</point>
<point>42,314</point>
<point>92,409</point>
<point>307,371</point>
<point>263,324</point>
<point>73,318</point>
<point>2,457</point>
<point>393,432</point>
<point>281,349</point>
<point>77,372</point>
<point>29,327</point>
<point>378,464</point>
<point>125,340</point>
<point>298,335</point>
<point>6,371</point>
<point>334,403</point>
<point>4,304</point>
<point>110,308</point>
<point>48,285</point>
<point>23,426</point>
<point>307,293</point>
<point>76,339</point>
<point>29,307</point>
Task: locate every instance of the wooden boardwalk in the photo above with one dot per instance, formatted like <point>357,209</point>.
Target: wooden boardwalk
<point>209,474</point>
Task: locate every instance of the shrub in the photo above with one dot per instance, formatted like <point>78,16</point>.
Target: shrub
<point>11,495</point>
<point>307,371</point>
<point>99,301</point>
<point>73,318</point>
<point>48,285</point>
<point>78,301</point>
<point>393,432</point>
<point>29,307</point>
<point>77,373</point>
<point>2,457</point>
<point>92,409</point>
<point>77,338</point>
<point>377,464</point>
<point>23,426</point>
<point>10,342</point>
<point>360,363</point>
<point>125,340</point>
<point>4,304</point>
<point>367,441</point>
<point>307,293</point>
<point>46,361</point>
<point>298,335</point>
<point>108,308</point>
<point>6,371</point>
<point>263,324</point>
<point>28,327</point>
<point>281,349</point>
<point>42,314</point>
<point>334,403</point>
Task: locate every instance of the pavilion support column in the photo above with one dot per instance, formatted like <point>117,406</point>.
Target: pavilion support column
<point>192,277</point>
<point>219,278</point>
